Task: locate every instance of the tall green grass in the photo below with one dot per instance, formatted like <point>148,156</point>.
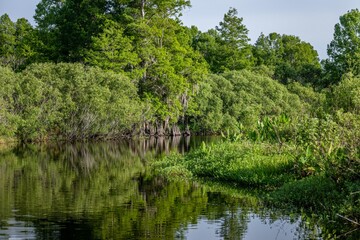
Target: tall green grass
<point>244,163</point>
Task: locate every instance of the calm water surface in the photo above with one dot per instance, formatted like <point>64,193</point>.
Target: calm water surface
<point>105,191</point>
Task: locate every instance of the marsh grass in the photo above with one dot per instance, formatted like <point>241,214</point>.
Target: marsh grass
<point>335,207</point>
<point>244,163</point>
<point>317,192</point>
<point>272,172</point>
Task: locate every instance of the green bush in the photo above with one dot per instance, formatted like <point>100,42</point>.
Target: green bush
<point>237,98</point>
<point>66,101</point>
<point>8,117</point>
<point>346,94</point>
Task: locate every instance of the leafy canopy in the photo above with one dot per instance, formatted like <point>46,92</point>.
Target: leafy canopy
<point>344,49</point>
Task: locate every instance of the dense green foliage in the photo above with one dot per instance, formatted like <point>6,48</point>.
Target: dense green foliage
<point>232,101</point>
<point>344,49</point>
<point>289,57</point>
<point>67,101</point>
<point>318,171</point>
<point>227,46</point>
<point>109,68</point>
<point>8,118</point>
<point>144,39</point>
<point>182,79</point>
<point>17,43</point>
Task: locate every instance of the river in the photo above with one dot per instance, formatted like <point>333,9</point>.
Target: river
<point>107,191</point>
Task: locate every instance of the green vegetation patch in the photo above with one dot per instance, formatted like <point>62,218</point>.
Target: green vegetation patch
<point>244,163</point>
<point>314,191</point>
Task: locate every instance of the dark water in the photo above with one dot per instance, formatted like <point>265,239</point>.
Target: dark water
<point>106,191</point>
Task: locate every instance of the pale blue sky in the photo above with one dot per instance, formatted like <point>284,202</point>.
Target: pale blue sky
<point>312,20</point>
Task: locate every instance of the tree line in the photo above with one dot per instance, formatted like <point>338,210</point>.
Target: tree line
<point>109,68</point>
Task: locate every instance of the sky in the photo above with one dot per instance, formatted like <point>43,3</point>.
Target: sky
<point>311,20</point>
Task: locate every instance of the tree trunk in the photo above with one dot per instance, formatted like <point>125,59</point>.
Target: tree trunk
<point>175,130</point>
<point>187,131</point>
<point>160,131</point>
<point>143,2</point>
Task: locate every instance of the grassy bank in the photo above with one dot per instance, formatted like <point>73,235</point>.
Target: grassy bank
<point>246,164</point>
<point>274,170</point>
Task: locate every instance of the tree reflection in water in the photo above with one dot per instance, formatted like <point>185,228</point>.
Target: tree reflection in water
<point>105,191</point>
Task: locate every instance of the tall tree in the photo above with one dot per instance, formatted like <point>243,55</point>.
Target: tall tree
<point>289,58</point>
<point>111,50</point>
<point>232,30</point>
<point>268,50</point>
<point>169,67</point>
<point>7,40</point>
<point>227,47</point>
<point>147,9</point>
<point>143,37</point>
<point>208,44</point>
<point>68,26</point>
<point>26,47</point>
<point>234,42</point>
<point>344,49</point>
<point>17,43</point>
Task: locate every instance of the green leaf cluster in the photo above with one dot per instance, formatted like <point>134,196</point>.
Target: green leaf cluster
<point>167,69</point>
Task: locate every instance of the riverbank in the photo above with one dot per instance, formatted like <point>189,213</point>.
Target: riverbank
<point>277,172</point>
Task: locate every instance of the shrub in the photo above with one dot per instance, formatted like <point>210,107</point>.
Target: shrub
<point>72,101</point>
<point>8,116</point>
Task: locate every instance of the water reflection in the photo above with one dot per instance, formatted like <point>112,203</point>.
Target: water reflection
<point>17,230</point>
<point>256,228</point>
<point>105,191</point>
<point>244,217</point>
